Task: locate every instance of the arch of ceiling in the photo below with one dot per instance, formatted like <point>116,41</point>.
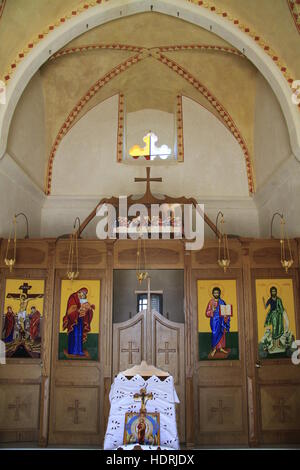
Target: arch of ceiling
<point>89,98</point>
<point>101,14</point>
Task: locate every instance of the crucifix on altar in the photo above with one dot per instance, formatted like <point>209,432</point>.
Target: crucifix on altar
<point>143,397</point>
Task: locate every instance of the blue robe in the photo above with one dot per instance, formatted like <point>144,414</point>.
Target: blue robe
<point>75,339</point>
<point>218,325</point>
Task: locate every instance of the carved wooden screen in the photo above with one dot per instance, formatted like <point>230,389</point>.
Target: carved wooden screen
<point>158,341</point>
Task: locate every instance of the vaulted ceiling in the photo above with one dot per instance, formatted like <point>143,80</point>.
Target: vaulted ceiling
<point>150,58</point>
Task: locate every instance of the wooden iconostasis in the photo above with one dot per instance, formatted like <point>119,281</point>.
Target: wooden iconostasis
<point>236,377</point>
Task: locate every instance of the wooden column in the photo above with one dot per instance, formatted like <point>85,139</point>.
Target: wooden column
<point>46,348</point>
<point>189,357</point>
<point>107,334</point>
<point>250,339</point>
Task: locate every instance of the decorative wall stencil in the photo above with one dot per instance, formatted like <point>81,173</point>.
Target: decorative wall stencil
<point>36,40</point>
<point>217,320</point>
<point>253,34</point>
<point>2,6</point>
<point>294,6</point>
<point>120,135</point>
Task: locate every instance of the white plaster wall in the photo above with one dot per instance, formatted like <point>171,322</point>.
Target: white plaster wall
<point>85,163</point>
<point>276,168</point>
<point>59,213</point>
<point>85,170</point>
<point>281,194</point>
<point>26,140</point>
<point>271,138</point>
<point>18,194</point>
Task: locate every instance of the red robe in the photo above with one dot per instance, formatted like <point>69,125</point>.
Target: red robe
<point>74,311</point>
<point>34,324</point>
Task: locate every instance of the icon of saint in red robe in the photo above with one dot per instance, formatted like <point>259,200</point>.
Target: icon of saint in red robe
<point>77,321</point>
<point>35,318</point>
<point>9,326</point>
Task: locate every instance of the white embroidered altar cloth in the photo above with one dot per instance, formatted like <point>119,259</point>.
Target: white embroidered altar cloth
<point>122,401</point>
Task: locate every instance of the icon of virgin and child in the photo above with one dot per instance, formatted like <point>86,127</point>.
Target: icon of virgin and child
<point>77,322</point>
<point>219,314</point>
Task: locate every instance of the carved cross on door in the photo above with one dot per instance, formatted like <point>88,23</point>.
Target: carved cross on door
<point>281,408</point>
<point>17,406</point>
<point>220,410</point>
<point>76,410</point>
<point>130,350</point>
<point>167,350</point>
<point>143,397</point>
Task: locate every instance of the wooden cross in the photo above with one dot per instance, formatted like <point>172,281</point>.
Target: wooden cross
<point>148,180</point>
<point>143,397</point>
<point>25,287</point>
<point>166,351</point>
<point>282,408</point>
<point>76,409</point>
<point>130,350</point>
<point>17,406</point>
<point>220,411</point>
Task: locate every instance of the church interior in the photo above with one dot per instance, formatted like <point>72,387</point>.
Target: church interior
<point>109,110</point>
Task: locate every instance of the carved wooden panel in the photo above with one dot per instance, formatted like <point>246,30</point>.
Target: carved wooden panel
<point>266,253</point>
<point>168,346</point>
<point>86,375</point>
<point>76,396</point>
<point>280,407</point>
<point>30,253</point>
<point>220,409</point>
<point>160,254</point>
<point>128,342</point>
<point>220,403</point>
<point>208,256</point>
<point>91,254</point>
<point>76,410</point>
<point>161,343</point>
<point>19,407</point>
<point>168,354</point>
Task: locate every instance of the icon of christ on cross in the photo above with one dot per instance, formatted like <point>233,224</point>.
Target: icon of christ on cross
<point>143,397</point>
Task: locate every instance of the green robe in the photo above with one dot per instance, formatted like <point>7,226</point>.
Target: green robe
<point>275,317</point>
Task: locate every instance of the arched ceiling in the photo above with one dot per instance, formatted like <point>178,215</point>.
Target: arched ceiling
<point>155,65</point>
<point>276,23</point>
<point>165,63</point>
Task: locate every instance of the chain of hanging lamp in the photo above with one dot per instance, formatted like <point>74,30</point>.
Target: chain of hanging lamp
<point>223,250</point>
<point>73,264</point>
<point>141,272</point>
<point>286,258</point>
<point>10,262</point>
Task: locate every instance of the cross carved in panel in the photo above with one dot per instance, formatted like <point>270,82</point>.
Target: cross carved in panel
<point>281,409</point>
<point>130,350</point>
<point>166,351</point>
<point>17,406</point>
<point>220,411</point>
<point>76,409</point>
